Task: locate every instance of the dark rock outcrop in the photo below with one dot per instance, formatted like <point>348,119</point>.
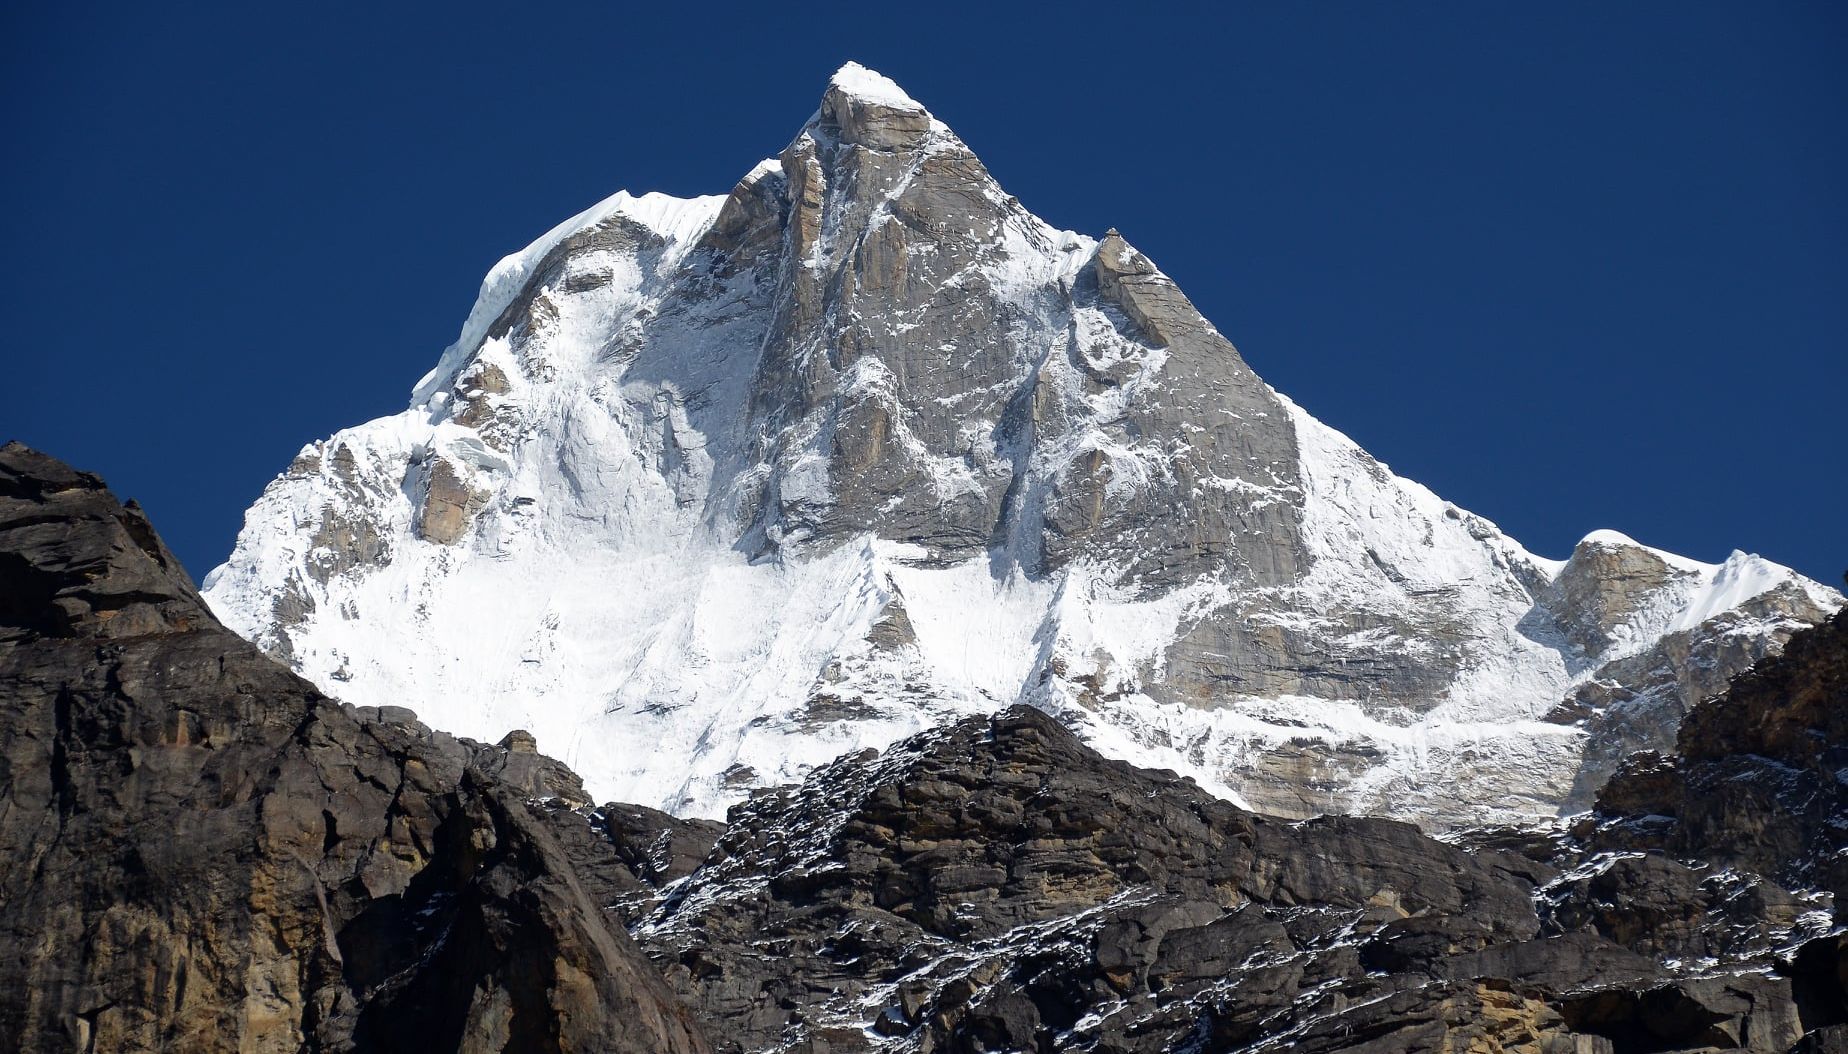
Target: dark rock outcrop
<point>996,885</point>
<point>1757,778</point>
<point>198,851</point>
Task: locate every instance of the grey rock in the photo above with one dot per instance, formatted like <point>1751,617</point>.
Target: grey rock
<point>1637,702</point>
<point>449,504</point>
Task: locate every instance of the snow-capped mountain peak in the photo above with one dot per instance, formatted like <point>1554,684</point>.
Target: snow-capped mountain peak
<point>871,86</point>
<point>710,491</point>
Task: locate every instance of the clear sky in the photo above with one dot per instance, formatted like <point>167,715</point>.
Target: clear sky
<point>1571,265</point>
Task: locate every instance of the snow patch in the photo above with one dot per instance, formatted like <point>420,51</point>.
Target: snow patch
<point>861,83</point>
<point>679,220</point>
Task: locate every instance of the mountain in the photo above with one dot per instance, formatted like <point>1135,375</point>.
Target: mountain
<point>709,492</point>
<point>205,853</point>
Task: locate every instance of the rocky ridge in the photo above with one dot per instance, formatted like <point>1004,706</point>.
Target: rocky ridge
<point>996,885</point>
<point>1756,779</point>
<point>863,446</point>
<point>201,851</point>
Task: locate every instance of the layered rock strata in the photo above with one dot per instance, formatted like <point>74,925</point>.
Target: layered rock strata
<point>199,851</point>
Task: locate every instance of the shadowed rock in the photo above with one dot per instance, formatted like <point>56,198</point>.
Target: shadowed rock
<point>997,885</point>
<point>199,851</point>
<point>1757,777</point>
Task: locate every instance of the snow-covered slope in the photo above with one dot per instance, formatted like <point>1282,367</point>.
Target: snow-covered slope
<point>710,491</point>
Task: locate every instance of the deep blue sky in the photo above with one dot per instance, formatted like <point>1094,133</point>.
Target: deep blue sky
<point>1571,265</point>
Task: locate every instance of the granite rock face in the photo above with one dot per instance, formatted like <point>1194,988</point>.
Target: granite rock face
<point>863,447</point>
<point>996,885</point>
<point>199,851</point>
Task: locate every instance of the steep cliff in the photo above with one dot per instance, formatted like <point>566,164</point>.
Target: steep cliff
<point>199,851</point>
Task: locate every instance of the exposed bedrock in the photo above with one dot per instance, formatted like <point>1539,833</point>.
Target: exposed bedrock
<point>199,851</point>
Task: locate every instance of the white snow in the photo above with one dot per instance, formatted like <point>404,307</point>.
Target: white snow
<point>862,83</point>
<point>977,632</point>
<point>1700,591</point>
<point>680,220</point>
<point>1742,577</point>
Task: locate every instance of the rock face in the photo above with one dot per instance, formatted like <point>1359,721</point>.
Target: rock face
<point>199,851</point>
<point>1757,777</point>
<point>996,885</point>
<point>1638,699</point>
<point>863,447</point>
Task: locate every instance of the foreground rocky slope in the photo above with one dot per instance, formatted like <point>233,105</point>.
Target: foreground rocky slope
<point>964,460</point>
<point>198,851</point>
<point>996,885</point>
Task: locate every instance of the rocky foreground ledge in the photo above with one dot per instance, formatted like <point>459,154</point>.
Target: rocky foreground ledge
<point>199,851</point>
